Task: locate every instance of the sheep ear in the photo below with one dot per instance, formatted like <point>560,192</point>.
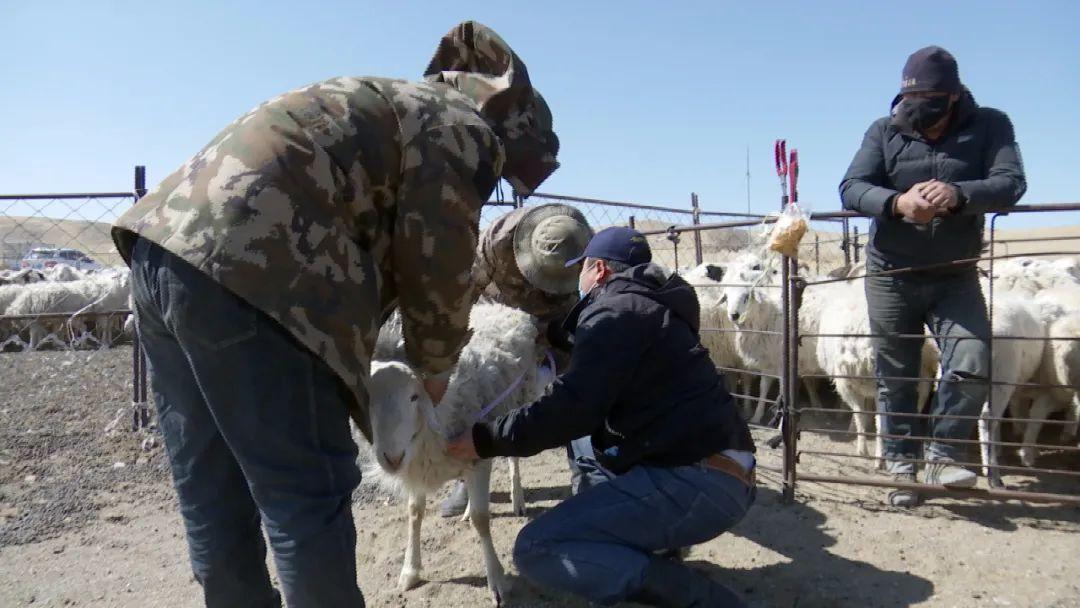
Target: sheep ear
<point>716,273</point>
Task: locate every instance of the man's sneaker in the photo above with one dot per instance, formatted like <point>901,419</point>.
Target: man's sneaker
<point>904,497</point>
<point>455,504</point>
<point>942,472</point>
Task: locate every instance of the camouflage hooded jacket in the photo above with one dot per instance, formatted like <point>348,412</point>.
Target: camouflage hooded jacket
<point>326,206</point>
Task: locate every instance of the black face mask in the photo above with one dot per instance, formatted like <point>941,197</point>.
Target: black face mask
<point>921,113</point>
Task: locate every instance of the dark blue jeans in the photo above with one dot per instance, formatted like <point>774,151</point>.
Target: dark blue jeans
<point>953,308</point>
<point>601,543</point>
<point>257,433</point>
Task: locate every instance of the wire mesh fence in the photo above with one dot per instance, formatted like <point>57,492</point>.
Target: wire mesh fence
<point>773,328</point>
<point>811,323</point>
<point>63,285</point>
<point>668,247</point>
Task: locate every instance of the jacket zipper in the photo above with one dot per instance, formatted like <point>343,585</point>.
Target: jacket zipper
<point>931,227</point>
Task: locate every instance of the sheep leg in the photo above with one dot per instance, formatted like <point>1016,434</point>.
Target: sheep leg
<point>879,424</point>
<point>764,385</point>
<point>1068,431</point>
<point>990,432</point>
<point>1042,407</point>
<point>410,570</point>
<point>746,382</point>
<point>517,493</point>
<point>813,392</point>
<point>37,335</point>
<point>859,409</point>
<point>478,482</point>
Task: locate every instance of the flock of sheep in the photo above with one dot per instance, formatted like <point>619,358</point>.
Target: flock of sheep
<point>64,307</point>
<point>1035,300</point>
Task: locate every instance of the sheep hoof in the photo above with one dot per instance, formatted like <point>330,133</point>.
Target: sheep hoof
<point>1027,457</point>
<point>1068,433</point>
<point>409,579</point>
<point>498,586</point>
<point>860,447</point>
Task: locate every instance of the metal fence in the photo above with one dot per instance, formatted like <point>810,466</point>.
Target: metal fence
<point>63,285</point>
<point>799,310</point>
<point>829,246</point>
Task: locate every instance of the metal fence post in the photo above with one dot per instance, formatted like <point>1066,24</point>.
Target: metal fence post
<point>790,416</point>
<point>696,219</point>
<point>845,242</point>
<point>673,236</point>
<point>817,253</point>
<point>630,222</point>
<point>855,246</point>
<point>140,411</point>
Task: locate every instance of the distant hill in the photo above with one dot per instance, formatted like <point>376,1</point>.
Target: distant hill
<point>19,234</point>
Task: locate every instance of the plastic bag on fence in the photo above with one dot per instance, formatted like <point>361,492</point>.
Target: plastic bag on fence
<point>788,231</point>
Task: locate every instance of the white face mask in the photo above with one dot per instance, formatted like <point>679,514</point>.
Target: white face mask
<point>582,292</point>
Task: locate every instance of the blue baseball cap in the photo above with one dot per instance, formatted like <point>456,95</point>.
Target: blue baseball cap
<point>617,244</point>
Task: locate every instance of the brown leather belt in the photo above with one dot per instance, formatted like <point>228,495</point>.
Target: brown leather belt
<point>725,464</point>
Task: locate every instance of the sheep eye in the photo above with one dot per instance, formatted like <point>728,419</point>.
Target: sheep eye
<point>414,398</point>
<point>756,267</point>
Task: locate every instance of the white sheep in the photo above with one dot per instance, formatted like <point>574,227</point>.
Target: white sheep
<point>717,330</point>
<point>1069,265</point>
<point>1032,275</point>
<point>102,292</point>
<point>21,277</point>
<point>1014,361</point>
<point>853,355</point>
<point>63,272</point>
<point>1060,365</point>
<point>753,303</point>
<point>410,435</point>
<point>9,328</point>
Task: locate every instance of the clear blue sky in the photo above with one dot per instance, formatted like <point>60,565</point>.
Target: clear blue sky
<point>651,100</point>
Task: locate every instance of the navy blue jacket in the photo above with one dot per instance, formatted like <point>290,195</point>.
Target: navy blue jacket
<point>977,154</point>
<point>639,382</point>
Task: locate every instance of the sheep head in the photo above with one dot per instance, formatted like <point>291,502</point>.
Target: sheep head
<point>740,296</point>
<point>398,403</point>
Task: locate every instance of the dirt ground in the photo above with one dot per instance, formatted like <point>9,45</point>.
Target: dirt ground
<point>88,518</point>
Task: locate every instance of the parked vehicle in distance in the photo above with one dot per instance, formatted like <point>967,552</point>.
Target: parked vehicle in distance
<point>47,257</point>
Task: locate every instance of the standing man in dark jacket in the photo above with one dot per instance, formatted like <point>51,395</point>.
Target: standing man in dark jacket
<point>926,174</point>
<point>680,458</point>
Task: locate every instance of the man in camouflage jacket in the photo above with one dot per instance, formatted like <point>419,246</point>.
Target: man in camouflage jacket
<point>261,270</point>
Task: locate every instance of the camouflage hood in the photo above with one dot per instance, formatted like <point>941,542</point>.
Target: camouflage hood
<point>473,59</point>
